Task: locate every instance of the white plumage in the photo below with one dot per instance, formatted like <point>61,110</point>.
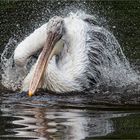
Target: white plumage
<point>60,76</point>
<point>90,52</point>
<point>30,45</point>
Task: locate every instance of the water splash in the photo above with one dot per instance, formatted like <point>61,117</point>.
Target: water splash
<point>117,74</point>
<point>12,75</point>
<point>116,71</point>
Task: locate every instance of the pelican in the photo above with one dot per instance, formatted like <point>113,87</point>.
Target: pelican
<point>73,51</point>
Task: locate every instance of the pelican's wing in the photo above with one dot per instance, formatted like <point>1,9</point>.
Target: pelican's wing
<point>30,45</point>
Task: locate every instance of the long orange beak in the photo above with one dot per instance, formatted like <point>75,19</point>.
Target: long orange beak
<point>43,60</point>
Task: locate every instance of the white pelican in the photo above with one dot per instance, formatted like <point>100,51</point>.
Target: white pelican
<point>74,51</point>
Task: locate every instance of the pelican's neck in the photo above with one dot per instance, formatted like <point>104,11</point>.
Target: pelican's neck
<point>30,45</point>
<point>66,74</point>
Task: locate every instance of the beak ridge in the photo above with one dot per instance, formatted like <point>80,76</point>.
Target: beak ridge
<point>55,32</point>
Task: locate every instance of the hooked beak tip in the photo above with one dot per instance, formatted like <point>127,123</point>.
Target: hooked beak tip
<point>30,94</point>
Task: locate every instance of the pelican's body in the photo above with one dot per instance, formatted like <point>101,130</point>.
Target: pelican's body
<point>78,65</point>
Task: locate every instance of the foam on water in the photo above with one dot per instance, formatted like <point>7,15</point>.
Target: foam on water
<point>120,74</point>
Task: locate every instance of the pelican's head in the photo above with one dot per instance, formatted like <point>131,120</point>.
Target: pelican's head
<point>54,33</point>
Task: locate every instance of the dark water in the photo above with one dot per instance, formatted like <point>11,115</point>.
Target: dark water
<point>72,117</point>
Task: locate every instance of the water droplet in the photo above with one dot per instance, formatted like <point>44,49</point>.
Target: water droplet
<point>114,27</point>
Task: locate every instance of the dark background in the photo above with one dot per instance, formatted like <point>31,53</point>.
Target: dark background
<point>19,18</point>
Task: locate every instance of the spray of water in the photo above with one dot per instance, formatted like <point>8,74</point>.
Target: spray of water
<point>117,74</point>
<point>11,75</point>
<point>115,69</point>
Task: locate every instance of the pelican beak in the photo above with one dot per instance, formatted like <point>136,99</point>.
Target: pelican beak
<point>49,49</point>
